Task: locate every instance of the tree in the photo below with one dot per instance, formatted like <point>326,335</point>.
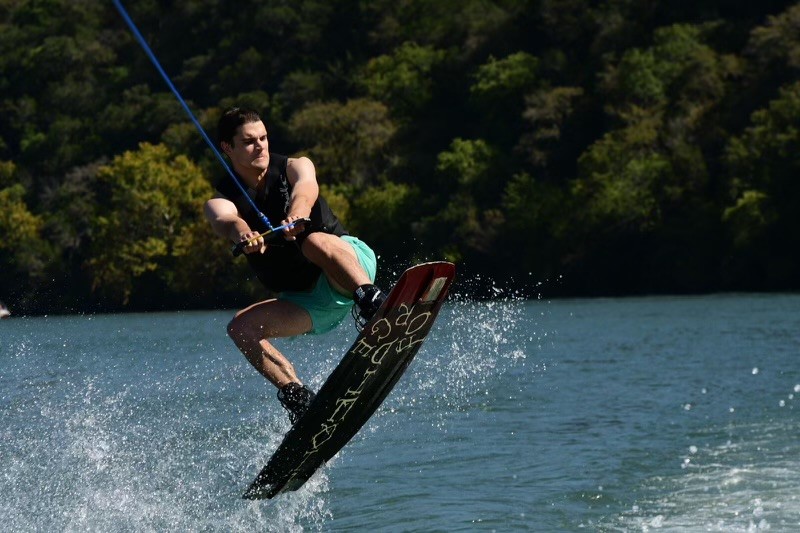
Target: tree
<point>680,72</point>
<point>499,90</point>
<point>763,219</point>
<point>776,45</point>
<point>467,167</point>
<point>549,112</point>
<point>499,79</point>
<point>634,172</point>
<point>471,181</point>
<point>532,238</point>
<point>383,214</point>
<point>151,203</point>
<point>620,176</point>
<point>24,254</point>
<point>402,80</point>
<point>347,142</point>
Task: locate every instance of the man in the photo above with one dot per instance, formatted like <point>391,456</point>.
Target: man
<point>317,270</point>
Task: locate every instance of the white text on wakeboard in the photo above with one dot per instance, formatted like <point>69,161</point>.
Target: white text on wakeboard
<point>383,340</point>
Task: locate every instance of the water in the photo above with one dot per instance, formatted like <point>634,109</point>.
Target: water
<point>645,414</point>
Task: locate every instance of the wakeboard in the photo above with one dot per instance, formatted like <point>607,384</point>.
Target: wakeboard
<point>361,381</point>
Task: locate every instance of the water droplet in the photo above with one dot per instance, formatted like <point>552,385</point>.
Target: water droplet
<point>755,370</point>
<point>692,449</point>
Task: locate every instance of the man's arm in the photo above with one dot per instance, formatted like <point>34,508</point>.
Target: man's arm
<point>303,177</point>
<point>224,218</point>
<point>305,190</point>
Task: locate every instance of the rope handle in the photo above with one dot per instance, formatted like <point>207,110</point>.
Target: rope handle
<point>238,248</point>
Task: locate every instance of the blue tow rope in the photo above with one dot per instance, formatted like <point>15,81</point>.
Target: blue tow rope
<point>152,57</point>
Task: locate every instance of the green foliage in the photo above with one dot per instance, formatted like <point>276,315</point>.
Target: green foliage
<point>142,226</point>
<point>338,198</point>
<point>7,171</point>
<point>403,79</point>
<point>513,137</point>
<point>382,214</point>
<point>647,179</point>
<point>302,86</point>
<point>764,164</point>
<point>749,218</point>
<point>620,176</point>
<point>503,78</point>
<point>765,156</point>
<point>24,254</point>
<point>347,142</point>
<point>466,225</point>
<point>776,45</point>
<point>548,112</point>
<point>639,78</point>
<point>467,25</point>
<point>532,206</point>
<point>18,226</point>
<point>678,70</point>
<point>467,167</point>
<point>536,221</point>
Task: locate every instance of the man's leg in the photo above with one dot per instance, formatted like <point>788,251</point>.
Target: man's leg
<point>251,328</point>
<point>339,262</point>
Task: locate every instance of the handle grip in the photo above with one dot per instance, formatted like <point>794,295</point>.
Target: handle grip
<point>238,248</point>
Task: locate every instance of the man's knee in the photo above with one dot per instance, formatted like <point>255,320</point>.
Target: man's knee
<point>236,328</point>
<point>240,328</point>
<point>268,320</point>
<point>320,246</point>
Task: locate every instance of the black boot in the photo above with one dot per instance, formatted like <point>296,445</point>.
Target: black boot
<point>369,299</point>
<point>295,398</point>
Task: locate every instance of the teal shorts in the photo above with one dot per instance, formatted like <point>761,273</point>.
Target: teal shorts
<point>325,305</point>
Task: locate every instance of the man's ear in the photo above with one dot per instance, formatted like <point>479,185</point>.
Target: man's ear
<point>226,147</point>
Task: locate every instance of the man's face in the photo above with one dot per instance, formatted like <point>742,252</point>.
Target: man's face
<point>250,148</point>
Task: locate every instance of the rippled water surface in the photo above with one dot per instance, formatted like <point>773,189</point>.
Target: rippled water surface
<point>645,414</point>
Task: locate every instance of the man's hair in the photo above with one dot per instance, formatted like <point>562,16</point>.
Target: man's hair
<point>230,121</point>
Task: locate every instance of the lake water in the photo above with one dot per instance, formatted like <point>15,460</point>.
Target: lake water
<point>641,414</point>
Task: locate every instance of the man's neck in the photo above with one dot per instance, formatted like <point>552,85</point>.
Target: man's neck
<point>251,177</point>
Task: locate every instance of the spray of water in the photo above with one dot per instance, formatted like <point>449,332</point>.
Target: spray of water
<point>140,423</point>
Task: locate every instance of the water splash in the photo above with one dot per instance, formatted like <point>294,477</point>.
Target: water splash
<point>131,443</point>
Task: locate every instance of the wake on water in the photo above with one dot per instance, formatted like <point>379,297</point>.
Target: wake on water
<point>134,443</point>
<point>724,489</point>
<point>154,422</point>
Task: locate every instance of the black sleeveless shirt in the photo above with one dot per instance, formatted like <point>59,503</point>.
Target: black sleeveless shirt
<point>283,267</point>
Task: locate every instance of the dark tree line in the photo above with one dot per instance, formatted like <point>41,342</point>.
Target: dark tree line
<point>600,147</point>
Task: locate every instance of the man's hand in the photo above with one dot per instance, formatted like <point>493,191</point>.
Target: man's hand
<point>256,245</point>
<point>290,234</point>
